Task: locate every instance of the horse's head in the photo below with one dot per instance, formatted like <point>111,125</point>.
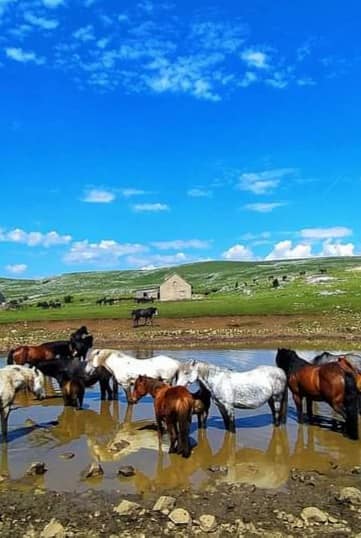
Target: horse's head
<point>187,373</point>
<point>38,384</point>
<point>141,388</point>
<point>95,358</point>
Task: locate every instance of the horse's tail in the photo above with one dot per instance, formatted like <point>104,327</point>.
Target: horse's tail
<point>184,412</point>
<point>11,356</point>
<point>350,402</point>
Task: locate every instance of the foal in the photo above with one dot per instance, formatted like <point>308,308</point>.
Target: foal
<point>172,405</point>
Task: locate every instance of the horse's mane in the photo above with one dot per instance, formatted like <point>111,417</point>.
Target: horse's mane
<point>289,361</point>
<point>206,368</point>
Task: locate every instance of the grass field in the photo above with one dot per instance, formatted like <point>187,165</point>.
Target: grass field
<point>221,288</point>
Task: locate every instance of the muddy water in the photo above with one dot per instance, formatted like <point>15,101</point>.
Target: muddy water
<point>259,453</point>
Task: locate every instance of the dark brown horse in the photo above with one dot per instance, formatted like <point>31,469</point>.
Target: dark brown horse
<point>43,352</point>
<point>173,406</point>
<point>335,383</point>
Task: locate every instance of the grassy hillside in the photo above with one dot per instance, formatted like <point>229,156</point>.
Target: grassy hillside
<point>222,288</point>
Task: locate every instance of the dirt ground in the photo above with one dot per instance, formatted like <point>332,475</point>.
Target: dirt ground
<point>239,509</point>
<point>321,331</point>
<point>235,510</point>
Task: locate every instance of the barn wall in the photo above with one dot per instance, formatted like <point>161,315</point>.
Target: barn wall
<point>175,289</point>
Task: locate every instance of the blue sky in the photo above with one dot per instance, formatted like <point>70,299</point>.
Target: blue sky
<point>146,134</point>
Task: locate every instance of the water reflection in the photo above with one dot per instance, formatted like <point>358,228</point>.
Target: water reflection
<point>114,435</point>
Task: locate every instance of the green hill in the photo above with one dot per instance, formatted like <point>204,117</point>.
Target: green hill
<point>220,288</point>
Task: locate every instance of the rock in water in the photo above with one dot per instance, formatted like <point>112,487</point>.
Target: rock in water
<point>94,470</point>
<point>36,468</point>
<point>126,470</point>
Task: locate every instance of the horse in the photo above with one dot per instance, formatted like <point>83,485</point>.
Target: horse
<point>65,370</point>
<point>326,357</point>
<point>126,369</point>
<point>73,391</point>
<point>80,342</point>
<point>334,383</point>
<point>245,390</point>
<point>172,406</point>
<point>201,404</point>
<point>145,313</point>
<point>12,379</point>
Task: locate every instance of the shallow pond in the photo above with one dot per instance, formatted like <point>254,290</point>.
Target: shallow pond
<point>259,454</point>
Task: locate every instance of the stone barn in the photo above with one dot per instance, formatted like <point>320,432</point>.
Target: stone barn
<point>175,288</point>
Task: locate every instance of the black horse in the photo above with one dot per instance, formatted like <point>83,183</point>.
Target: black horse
<point>289,361</point>
<point>64,370</point>
<point>145,313</point>
<point>80,342</point>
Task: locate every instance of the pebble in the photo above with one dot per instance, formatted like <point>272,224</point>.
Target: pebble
<point>67,455</point>
<point>94,470</point>
<point>164,504</point>
<point>126,508</point>
<point>350,495</point>
<point>312,514</point>
<point>54,529</point>
<point>208,523</point>
<point>179,516</point>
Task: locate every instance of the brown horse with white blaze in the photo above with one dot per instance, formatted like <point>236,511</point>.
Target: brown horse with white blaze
<point>173,406</point>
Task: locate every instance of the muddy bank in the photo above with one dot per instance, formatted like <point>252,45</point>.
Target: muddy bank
<point>238,510</point>
<point>341,330</point>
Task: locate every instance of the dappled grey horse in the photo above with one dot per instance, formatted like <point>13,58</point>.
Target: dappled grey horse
<point>244,390</point>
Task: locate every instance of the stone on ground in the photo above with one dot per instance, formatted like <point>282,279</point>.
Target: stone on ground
<point>179,516</point>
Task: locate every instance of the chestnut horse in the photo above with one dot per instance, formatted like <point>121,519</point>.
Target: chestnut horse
<point>172,405</point>
<point>335,383</point>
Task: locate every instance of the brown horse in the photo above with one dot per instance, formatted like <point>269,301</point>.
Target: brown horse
<point>43,352</point>
<point>334,383</point>
<point>73,392</point>
<point>172,405</point>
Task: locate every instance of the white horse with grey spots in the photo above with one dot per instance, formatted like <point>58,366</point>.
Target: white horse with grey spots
<point>126,368</point>
<point>244,390</point>
<point>12,379</point>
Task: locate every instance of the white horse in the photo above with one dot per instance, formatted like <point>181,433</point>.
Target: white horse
<point>12,379</point>
<point>126,368</point>
<point>245,390</point>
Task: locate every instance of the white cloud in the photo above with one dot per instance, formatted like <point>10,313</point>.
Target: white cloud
<point>41,22</point>
<point>84,34</point>
<point>98,196</point>
<point>20,55</point>
<point>263,182</point>
<point>17,268</point>
<point>106,252</point>
<point>255,58</point>
<point>265,207</point>
<point>127,193</point>
<point>337,249</point>
<point>180,244</point>
<point>325,233</point>
<point>157,260</point>
<point>286,250</point>
<point>33,239</point>
<point>248,79</point>
<point>150,208</point>
<point>199,193</point>
<point>238,252</point>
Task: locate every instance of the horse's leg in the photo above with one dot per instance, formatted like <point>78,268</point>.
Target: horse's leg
<point>172,436</point>
<point>309,407</point>
<point>160,432</point>
<point>103,384</point>
<point>271,404</point>
<point>115,389</point>
<point>227,413</point>
<point>284,406</point>
<point>128,393</point>
<point>298,403</point>
<point>4,423</point>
